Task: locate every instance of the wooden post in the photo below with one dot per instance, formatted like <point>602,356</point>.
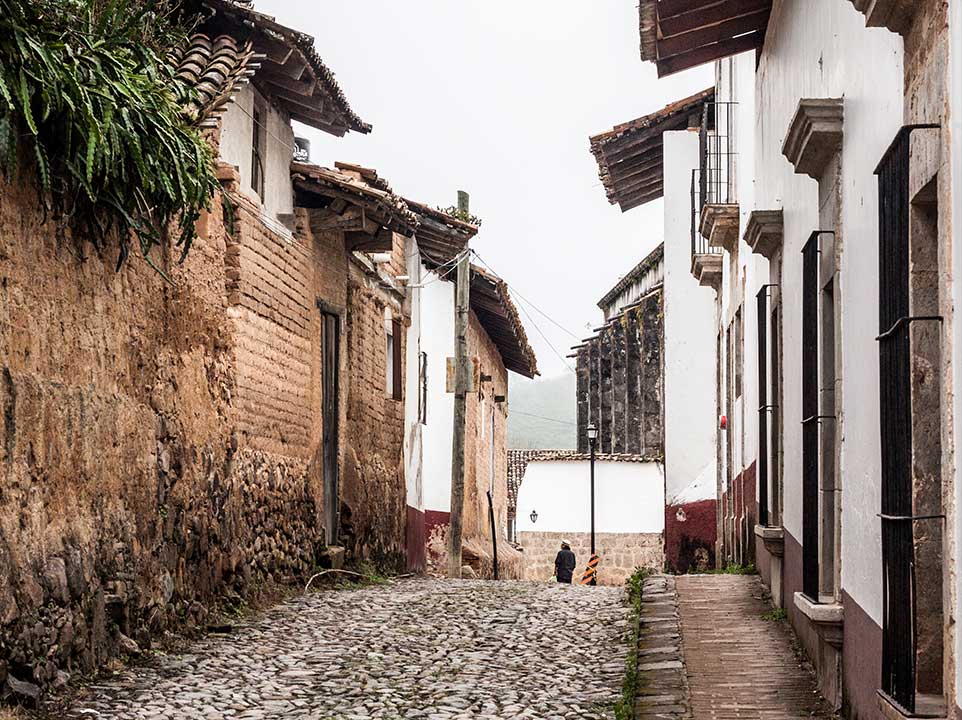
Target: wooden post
<point>462,375</point>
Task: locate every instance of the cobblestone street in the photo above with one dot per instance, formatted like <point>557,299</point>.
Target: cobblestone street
<point>414,648</point>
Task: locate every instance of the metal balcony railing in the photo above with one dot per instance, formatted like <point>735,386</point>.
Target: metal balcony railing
<point>717,150</point>
<point>699,243</point>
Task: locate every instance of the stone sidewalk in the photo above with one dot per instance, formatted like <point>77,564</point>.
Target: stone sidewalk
<point>415,648</point>
<point>707,653</point>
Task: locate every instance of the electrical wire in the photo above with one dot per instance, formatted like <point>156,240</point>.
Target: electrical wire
<point>537,327</point>
<point>514,290</point>
<point>542,417</point>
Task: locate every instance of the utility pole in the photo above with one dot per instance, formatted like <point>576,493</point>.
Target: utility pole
<point>462,379</point>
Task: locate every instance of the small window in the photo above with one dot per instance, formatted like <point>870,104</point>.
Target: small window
<point>258,147</point>
<point>423,388</point>
<point>393,376</point>
<point>737,348</point>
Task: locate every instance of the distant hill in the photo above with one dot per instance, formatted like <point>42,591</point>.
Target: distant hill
<point>542,413</point>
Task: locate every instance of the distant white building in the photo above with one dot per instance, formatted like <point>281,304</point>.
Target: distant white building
<point>554,503</point>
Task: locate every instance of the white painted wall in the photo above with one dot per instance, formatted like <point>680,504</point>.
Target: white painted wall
<point>437,340</point>
<point>955,218</point>
<point>236,144</point>
<point>629,497</point>
<point>413,429</point>
<point>821,48</point>
<point>689,330</point>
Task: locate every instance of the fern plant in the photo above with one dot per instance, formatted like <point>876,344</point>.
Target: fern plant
<point>87,91</point>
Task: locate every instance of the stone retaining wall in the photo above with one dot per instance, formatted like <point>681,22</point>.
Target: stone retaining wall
<point>621,554</point>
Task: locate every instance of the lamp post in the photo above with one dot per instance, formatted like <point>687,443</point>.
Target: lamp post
<point>533,516</point>
<point>592,431</point>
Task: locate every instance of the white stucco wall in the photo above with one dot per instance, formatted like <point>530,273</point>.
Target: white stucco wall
<point>955,218</point>
<point>236,145</point>
<point>690,422</point>
<point>437,340</point>
<point>818,49</point>
<point>629,497</point>
<point>413,429</point>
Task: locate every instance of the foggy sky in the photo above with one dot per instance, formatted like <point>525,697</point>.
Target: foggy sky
<point>499,97</point>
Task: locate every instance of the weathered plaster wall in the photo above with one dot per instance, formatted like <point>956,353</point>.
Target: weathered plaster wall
<point>629,497</point>
<point>236,148</point>
<point>690,422</point>
<point>820,50</point>
<point>137,487</point>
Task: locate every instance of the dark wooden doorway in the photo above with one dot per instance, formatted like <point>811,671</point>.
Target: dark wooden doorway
<point>330,358</point>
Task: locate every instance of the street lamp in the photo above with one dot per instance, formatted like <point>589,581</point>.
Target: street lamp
<point>592,432</point>
<point>533,516</point>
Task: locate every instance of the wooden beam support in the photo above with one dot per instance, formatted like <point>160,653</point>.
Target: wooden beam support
<point>709,15</point>
<point>708,53</point>
<point>687,42</point>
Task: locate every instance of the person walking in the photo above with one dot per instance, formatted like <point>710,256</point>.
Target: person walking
<point>564,563</point>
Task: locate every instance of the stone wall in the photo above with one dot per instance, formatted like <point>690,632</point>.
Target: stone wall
<point>621,383</point>
<point>161,441</point>
<point>621,554</point>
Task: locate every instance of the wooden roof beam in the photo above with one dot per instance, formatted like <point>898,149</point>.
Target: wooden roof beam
<point>708,53</point>
<point>708,15</point>
<point>680,44</point>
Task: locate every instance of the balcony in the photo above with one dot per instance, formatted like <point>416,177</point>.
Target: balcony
<point>714,207</point>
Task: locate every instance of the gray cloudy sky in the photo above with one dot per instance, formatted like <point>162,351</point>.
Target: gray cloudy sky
<point>498,97</point>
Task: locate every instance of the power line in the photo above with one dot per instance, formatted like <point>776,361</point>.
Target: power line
<point>537,327</point>
<point>541,417</point>
<point>522,297</point>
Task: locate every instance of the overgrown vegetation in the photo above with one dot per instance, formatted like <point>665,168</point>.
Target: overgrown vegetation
<point>733,569</point>
<point>776,614</point>
<point>86,89</point>
<point>625,707</point>
<point>456,212</point>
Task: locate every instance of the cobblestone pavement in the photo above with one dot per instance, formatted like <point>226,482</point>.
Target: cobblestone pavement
<point>416,648</point>
<point>707,653</point>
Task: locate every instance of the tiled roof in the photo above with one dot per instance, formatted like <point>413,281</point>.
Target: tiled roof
<point>517,464</point>
<point>291,71</point>
<point>441,237</point>
<point>630,156</point>
<point>575,456</point>
<point>372,194</point>
<point>216,69</point>
<point>636,272</point>
<point>491,302</point>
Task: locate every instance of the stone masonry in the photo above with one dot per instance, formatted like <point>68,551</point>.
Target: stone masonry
<point>620,381</point>
<point>621,554</point>
<point>161,445</point>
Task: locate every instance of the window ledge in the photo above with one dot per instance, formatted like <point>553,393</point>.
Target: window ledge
<point>825,617</point>
<point>927,706</point>
<point>764,232</point>
<point>773,537</point>
<point>814,136</point>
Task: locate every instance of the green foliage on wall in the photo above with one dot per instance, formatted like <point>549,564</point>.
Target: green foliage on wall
<point>86,89</point>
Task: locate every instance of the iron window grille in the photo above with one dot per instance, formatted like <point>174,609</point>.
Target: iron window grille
<point>899,630</point>
<point>810,415</point>
<point>764,408</point>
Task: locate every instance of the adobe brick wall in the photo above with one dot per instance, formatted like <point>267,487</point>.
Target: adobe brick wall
<point>155,454</point>
<point>621,554</point>
<point>160,443</point>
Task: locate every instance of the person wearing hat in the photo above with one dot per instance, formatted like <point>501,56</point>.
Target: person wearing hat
<point>564,563</point>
